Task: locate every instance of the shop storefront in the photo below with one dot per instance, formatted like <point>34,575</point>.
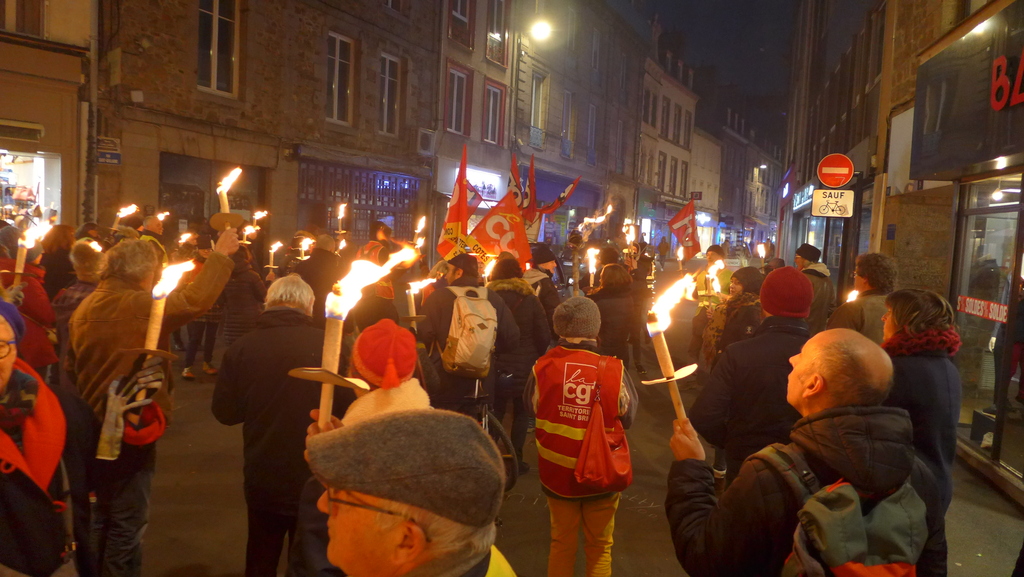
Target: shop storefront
<point>707,229</point>
<point>824,233</point>
<point>973,137</point>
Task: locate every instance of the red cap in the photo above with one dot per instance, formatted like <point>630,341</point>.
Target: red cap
<point>787,292</point>
<point>385,354</point>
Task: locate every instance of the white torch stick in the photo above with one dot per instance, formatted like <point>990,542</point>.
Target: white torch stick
<point>658,321</point>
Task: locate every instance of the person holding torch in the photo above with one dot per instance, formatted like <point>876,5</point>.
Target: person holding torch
<point>30,297</point>
<point>116,317</point>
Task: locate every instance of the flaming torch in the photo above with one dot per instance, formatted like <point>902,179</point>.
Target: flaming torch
<point>679,257</point>
<point>304,247</point>
<point>184,238</point>
<point>95,246</point>
<point>340,301</point>
<point>658,320</point>
<point>341,216</point>
<point>225,219</point>
<point>248,231</point>
<point>258,215</point>
<point>414,288</point>
<point>712,276</point>
<point>28,240</point>
<point>274,248</point>
<point>162,216</point>
<point>852,296</point>
<point>592,263</point>
<point>760,250</point>
<point>125,211</point>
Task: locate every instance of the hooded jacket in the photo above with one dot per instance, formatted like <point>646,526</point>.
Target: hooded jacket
<point>534,335</point>
<point>824,301</point>
<point>749,531</point>
<point>546,291</point>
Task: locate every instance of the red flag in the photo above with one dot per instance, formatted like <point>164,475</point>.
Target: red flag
<point>684,226</point>
<point>455,222</point>
<point>530,195</point>
<point>503,228</point>
<point>515,185</point>
<point>561,198</point>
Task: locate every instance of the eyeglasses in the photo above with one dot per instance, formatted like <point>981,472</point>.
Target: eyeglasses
<point>6,347</point>
<point>369,507</point>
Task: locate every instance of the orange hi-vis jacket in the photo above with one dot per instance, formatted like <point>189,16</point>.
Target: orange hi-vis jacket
<point>566,390</point>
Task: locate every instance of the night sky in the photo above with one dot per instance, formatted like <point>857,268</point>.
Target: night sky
<point>746,40</point>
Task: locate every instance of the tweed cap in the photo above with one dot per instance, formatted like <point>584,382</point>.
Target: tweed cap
<point>577,317</point>
<point>436,460</point>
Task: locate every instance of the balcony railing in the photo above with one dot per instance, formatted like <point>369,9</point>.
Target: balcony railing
<point>566,147</point>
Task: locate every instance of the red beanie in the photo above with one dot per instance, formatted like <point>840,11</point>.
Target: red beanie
<point>787,292</point>
<point>385,354</point>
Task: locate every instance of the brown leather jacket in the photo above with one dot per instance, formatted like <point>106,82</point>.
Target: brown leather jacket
<point>115,316</point>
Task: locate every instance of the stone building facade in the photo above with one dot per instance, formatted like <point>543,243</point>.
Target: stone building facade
<point>319,105</point>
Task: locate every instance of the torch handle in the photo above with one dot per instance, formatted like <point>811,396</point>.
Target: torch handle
<point>412,307</point>
<point>575,272</point>
<point>331,356</point>
<point>155,323</point>
<point>19,265</point>
<point>667,370</point>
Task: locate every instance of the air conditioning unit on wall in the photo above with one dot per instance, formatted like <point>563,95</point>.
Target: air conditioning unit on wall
<point>426,144</point>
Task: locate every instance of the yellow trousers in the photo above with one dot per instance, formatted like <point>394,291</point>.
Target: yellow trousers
<point>598,520</point>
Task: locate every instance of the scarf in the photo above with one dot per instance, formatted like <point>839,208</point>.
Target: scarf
<point>17,403</point>
<point>903,344</point>
<point>721,317</point>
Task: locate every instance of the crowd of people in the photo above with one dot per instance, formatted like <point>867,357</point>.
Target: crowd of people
<point>800,399</point>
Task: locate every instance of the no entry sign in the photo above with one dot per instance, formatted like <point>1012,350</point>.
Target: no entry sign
<point>835,170</point>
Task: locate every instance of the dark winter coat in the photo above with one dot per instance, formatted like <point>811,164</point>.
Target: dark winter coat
<point>743,407</point>
<point>433,333</point>
<point>253,388</point>
<point>534,335</point>
<point>243,301</point>
<point>618,320</point>
<point>59,271</point>
<point>546,291</point>
<point>31,531</point>
<point>927,385</point>
<point>320,271</point>
<point>749,531</point>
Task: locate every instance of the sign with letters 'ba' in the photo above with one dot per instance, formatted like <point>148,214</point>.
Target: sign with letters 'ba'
<point>827,202</point>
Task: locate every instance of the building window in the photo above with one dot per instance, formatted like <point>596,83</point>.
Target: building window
<point>497,33</point>
<point>672,173</point>
<point>595,51</point>
<point>687,129</point>
<point>458,100</point>
<point>339,78</point>
<point>218,25</point>
<point>460,22</point>
<point>662,169</point>
<point>571,29</point>
<point>592,134</point>
<point>666,107</point>
<point>677,122</point>
<point>537,93</point>
<point>494,112</point>
<point>684,169</point>
<point>22,16</point>
<point>567,123</point>
<point>388,94</point>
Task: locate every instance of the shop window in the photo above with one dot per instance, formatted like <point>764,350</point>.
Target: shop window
<point>218,45</point>
<point>460,87</point>
<point>27,180</point>
<point>994,193</point>
<point>339,78</point>
<point>494,112</point>
<point>388,118</point>
<point>22,16</point>
<point>497,31</point>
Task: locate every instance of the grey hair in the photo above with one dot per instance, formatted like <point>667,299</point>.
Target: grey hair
<point>291,291</point>
<point>448,539</point>
<point>87,261</point>
<point>131,260</point>
<point>854,382</point>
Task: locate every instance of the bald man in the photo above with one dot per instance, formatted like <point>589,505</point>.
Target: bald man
<point>838,381</point>
<point>153,233</point>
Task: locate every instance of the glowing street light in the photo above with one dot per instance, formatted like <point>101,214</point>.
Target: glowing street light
<point>540,30</point>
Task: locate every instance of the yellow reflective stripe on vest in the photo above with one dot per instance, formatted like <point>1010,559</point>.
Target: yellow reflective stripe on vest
<point>556,458</point>
<point>563,430</point>
<point>499,567</point>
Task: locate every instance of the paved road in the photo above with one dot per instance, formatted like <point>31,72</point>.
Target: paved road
<point>198,525</point>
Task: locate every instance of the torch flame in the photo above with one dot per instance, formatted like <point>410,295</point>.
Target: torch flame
<point>229,180</point>
<point>344,243</point>
<point>95,246</point>
<point>597,220</point>
<point>348,290</point>
<point>184,238</point>
<point>630,233</point>
<point>341,211</point>
<point>713,271</point>
<point>130,209</point>
<point>32,235</point>
<point>274,247</point>
<point>760,250</point>
<point>306,243</point>
<point>490,267</point>
<point>421,224</point>
<point>679,253</point>
<point>249,230</point>
<point>661,312</point>
<point>852,297</point>
<point>592,259</point>
<point>259,214</point>
<point>170,277</point>
<point>417,286</point>
<point>162,216</point>
<point>419,243</point>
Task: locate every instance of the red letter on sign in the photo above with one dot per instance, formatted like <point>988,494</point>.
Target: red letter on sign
<point>999,80</point>
<point>1017,97</point>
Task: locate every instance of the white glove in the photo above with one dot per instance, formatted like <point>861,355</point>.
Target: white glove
<point>15,294</point>
<point>992,344</point>
<point>149,377</point>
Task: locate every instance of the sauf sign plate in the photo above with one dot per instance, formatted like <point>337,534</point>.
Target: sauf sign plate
<point>827,202</point>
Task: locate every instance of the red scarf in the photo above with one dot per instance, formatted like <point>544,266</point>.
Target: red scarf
<point>903,344</point>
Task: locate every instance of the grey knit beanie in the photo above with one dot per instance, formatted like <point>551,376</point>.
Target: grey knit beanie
<point>577,317</point>
<point>436,460</point>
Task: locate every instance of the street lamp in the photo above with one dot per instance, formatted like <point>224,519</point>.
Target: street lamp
<point>540,30</point>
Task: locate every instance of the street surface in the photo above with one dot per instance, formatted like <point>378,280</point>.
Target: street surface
<point>198,517</point>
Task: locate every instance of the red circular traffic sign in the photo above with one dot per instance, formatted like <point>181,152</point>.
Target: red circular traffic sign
<point>835,170</point>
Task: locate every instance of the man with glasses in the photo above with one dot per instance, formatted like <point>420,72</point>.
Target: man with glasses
<point>411,492</point>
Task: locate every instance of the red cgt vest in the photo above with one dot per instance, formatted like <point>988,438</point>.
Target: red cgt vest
<point>566,380</point>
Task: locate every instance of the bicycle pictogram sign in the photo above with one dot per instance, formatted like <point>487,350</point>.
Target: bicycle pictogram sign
<point>832,203</point>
